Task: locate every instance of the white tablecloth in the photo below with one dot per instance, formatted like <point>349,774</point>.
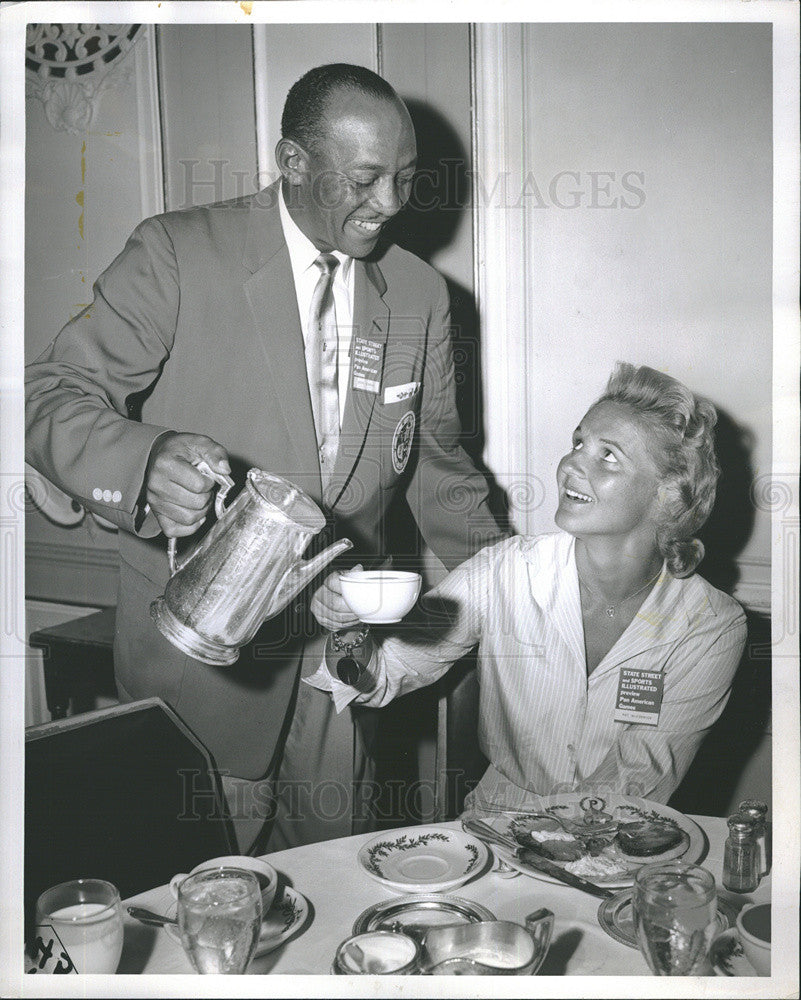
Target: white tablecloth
<point>338,890</point>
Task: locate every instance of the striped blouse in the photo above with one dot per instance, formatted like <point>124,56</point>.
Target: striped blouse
<point>544,725</point>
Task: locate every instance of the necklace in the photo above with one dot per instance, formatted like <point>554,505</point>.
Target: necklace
<point>611,609</point>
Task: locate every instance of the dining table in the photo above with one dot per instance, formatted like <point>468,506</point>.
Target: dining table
<point>337,890</point>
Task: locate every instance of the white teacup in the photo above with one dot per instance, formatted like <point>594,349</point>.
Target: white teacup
<point>753,927</point>
<point>380,596</point>
<point>266,874</point>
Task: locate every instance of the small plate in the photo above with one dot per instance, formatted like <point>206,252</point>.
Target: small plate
<point>727,956</point>
<point>616,917</point>
<point>284,917</point>
<point>569,806</point>
<point>423,859</point>
<point>418,912</point>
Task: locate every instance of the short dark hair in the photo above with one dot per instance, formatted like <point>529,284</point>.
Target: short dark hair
<point>304,109</point>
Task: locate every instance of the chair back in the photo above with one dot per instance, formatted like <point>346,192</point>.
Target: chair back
<point>126,794</point>
<point>460,764</point>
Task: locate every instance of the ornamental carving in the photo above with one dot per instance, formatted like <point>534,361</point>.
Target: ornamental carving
<point>68,66</point>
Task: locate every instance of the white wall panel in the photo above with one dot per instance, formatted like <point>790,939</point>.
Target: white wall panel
<point>635,224</point>
<point>282,54</point>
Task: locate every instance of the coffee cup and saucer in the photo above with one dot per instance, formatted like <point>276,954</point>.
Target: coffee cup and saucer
<point>284,910</point>
<point>744,950</point>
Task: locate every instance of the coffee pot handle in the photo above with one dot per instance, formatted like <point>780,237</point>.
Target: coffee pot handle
<point>225,483</point>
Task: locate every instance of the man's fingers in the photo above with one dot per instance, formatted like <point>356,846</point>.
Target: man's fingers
<point>175,458</point>
<point>189,517</point>
<point>213,454</point>
<point>163,493</point>
<point>175,529</point>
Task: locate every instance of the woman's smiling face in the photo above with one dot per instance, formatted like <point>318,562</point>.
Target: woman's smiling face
<point>609,482</point>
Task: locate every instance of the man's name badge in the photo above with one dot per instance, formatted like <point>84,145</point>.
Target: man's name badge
<point>366,364</point>
<point>639,696</point>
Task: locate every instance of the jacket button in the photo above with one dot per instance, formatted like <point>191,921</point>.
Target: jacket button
<point>97,493</point>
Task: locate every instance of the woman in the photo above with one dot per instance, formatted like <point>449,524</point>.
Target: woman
<point>603,658</point>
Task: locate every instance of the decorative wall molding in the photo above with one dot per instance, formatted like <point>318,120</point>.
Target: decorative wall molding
<point>500,263</point>
<point>753,589</point>
<point>148,99</point>
<point>68,66</point>
<point>75,574</point>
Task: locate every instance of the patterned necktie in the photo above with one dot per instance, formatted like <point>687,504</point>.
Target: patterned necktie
<point>321,365</point>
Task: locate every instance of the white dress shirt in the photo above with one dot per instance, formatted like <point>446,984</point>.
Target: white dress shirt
<point>302,255</point>
<point>544,725</point>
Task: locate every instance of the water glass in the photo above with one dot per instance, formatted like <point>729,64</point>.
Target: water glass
<point>219,919</point>
<point>78,928</point>
<point>675,907</point>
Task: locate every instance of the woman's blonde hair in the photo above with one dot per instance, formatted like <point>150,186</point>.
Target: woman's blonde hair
<point>684,426</point>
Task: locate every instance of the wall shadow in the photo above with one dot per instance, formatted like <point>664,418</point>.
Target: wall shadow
<point>709,785</point>
<point>441,202</point>
<point>731,522</point>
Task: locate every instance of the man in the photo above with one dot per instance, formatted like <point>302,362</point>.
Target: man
<point>270,331</point>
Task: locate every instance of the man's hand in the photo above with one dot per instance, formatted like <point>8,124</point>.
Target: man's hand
<point>328,605</point>
<point>179,495</point>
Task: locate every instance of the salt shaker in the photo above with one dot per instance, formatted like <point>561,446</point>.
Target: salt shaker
<point>740,856</point>
<point>757,812</point>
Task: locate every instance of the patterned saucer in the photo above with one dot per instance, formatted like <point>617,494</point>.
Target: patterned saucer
<point>281,921</point>
<point>727,956</point>
<point>423,859</point>
<point>616,917</point>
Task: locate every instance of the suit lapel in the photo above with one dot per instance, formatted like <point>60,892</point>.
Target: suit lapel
<point>270,291</point>
<point>370,322</point>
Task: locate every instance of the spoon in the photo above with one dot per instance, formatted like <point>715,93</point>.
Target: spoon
<point>149,917</point>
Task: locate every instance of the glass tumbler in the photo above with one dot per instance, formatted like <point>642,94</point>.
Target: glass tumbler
<point>79,923</point>
<point>219,919</point>
<point>675,907</point>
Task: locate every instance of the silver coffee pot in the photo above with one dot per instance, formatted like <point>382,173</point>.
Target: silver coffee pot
<point>246,569</point>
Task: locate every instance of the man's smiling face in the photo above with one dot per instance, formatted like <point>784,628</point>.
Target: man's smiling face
<point>354,181</point>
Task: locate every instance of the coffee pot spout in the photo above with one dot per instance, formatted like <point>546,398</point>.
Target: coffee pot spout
<point>301,574</point>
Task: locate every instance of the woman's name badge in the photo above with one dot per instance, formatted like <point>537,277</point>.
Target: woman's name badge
<point>639,696</point>
<point>366,364</point>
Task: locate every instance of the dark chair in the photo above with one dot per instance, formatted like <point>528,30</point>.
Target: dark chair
<point>459,762</point>
<point>126,794</point>
<point>734,761</point>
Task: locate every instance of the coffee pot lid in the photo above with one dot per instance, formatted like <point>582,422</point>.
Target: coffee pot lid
<point>287,500</point>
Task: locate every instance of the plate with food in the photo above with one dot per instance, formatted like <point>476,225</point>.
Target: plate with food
<point>603,839</point>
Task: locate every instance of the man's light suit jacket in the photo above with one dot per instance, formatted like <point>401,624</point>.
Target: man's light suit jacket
<point>195,327</point>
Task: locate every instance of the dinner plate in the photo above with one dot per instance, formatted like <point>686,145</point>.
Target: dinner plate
<point>727,956</point>
<point>571,807</point>
<point>417,912</point>
<point>281,921</point>
<point>423,859</point>
<point>616,917</point>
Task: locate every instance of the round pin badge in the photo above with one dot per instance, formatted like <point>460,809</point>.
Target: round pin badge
<point>402,441</point>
